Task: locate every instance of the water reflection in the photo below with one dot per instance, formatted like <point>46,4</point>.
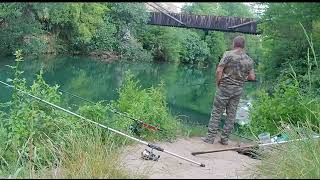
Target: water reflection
<point>190,90</point>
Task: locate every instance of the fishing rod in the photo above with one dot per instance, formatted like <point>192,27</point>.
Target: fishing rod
<point>249,146</point>
<point>152,146</point>
<point>144,124</point>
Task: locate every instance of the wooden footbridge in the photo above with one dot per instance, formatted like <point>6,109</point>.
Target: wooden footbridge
<point>207,23</point>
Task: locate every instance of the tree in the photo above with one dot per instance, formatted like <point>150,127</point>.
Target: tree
<point>215,40</point>
<point>72,27</point>
<point>193,48</point>
<point>284,40</point>
<point>75,23</point>
<point>163,42</point>
<point>18,28</point>
<point>130,17</point>
<point>204,9</point>
<point>236,10</point>
<point>217,46</point>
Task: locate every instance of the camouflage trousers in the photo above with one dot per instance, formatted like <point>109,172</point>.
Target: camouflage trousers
<point>226,98</point>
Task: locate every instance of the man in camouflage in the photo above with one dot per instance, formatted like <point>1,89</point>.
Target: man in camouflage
<point>234,69</point>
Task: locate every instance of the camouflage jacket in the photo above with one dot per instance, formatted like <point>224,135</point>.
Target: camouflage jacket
<point>237,65</point>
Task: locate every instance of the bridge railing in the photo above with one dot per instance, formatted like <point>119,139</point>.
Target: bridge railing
<point>217,23</point>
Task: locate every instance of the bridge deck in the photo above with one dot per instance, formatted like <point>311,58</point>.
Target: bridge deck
<point>216,23</point>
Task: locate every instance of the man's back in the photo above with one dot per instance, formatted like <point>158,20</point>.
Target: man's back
<point>234,68</point>
<point>237,65</point>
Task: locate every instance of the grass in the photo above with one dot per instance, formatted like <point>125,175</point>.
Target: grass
<point>86,155</point>
<point>74,149</point>
<point>298,159</point>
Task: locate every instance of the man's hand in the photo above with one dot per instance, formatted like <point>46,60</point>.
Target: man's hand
<point>219,72</point>
<point>251,76</point>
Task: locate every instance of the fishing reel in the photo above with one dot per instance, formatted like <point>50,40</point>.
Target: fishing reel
<point>136,128</point>
<point>149,155</point>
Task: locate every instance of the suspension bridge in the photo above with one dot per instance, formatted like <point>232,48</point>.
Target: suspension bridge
<point>162,17</point>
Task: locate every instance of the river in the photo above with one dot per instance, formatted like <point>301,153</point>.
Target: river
<point>189,89</point>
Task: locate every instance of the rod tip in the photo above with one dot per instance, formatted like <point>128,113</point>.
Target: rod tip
<point>202,165</point>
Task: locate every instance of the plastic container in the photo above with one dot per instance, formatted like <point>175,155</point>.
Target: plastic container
<point>264,137</point>
<point>274,139</point>
<point>315,135</point>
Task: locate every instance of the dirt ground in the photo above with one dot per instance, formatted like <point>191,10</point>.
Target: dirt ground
<point>228,164</point>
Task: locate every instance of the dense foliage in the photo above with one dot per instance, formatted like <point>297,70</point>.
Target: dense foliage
<point>284,41</point>
<point>287,105</point>
<point>33,135</point>
<point>121,28</point>
<point>290,64</point>
<point>118,28</point>
<point>79,28</point>
<point>36,137</point>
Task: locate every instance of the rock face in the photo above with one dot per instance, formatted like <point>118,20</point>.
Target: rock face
<point>104,56</point>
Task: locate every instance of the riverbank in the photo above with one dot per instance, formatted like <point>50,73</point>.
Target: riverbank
<point>227,164</point>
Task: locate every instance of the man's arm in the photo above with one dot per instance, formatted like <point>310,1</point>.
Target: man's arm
<point>251,75</point>
<point>219,72</point>
<point>224,60</point>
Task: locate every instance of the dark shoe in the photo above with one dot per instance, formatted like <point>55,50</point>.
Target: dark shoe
<point>224,142</point>
<point>206,140</point>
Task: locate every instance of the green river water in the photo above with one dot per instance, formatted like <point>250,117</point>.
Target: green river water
<point>189,89</point>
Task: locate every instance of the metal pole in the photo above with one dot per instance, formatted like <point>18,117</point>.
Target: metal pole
<point>258,145</point>
<point>103,126</point>
<point>240,25</point>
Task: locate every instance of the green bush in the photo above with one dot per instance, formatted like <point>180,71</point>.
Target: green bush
<point>35,46</point>
<point>101,114</point>
<point>286,104</point>
<point>177,45</point>
<point>104,38</point>
<point>29,121</point>
<point>217,45</point>
<point>148,105</point>
<point>17,25</point>
<point>193,48</point>
<point>284,45</point>
<point>132,50</point>
<point>163,42</point>
<point>37,138</point>
<point>293,100</point>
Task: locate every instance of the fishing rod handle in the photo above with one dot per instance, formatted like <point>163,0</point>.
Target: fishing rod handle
<point>152,146</point>
<point>200,164</point>
<point>205,152</point>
